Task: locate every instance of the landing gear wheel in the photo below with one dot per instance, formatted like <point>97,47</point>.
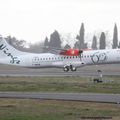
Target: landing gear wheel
<point>72,68</point>
<point>66,69</point>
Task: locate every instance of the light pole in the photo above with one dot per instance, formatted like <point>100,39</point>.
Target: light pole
<point>100,75</point>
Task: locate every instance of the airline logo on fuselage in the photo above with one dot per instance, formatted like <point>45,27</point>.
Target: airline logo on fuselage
<point>5,50</point>
<point>99,57</point>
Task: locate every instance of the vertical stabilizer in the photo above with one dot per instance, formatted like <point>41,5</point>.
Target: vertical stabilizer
<point>8,54</point>
<point>6,49</point>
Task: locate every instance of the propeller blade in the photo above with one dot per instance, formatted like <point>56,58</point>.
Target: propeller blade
<point>80,53</point>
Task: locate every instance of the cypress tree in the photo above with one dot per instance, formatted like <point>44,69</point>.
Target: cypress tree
<point>80,43</point>
<point>55,40</point>
<point>94,43</point>
<point>102,41</point>
<point>115,37</point>
<point>46,45</point>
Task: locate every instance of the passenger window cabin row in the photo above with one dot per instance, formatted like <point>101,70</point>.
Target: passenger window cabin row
<point>61,58</point>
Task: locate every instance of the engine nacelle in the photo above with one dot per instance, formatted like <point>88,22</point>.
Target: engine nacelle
<point>71,52</point>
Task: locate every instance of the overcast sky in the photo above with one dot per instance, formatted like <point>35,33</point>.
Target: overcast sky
<point>33,20</point>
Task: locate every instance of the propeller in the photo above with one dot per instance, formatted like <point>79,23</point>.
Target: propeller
<point>80,53</point>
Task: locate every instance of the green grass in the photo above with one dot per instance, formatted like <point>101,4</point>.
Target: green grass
<point>25,109</point>
<point>59,84</point>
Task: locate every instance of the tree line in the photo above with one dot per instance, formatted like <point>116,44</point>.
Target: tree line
<point>55,42</point>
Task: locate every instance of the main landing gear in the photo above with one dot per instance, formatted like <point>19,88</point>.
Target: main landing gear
<point>67,68</point>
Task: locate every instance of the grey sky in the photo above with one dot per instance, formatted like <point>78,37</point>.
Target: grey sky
<point>33,20</point>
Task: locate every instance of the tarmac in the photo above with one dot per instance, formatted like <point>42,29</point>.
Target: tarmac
<point>86,97</point>
<point>107,70</point>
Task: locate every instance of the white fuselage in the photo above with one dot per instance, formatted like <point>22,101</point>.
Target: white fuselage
<point>91,57</point>
<point>11,56</point>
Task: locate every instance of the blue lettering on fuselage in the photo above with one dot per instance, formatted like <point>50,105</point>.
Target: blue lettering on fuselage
<point>5,51</point>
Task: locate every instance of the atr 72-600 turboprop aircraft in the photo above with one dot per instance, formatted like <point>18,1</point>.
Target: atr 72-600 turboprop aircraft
<point>69,59</point>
